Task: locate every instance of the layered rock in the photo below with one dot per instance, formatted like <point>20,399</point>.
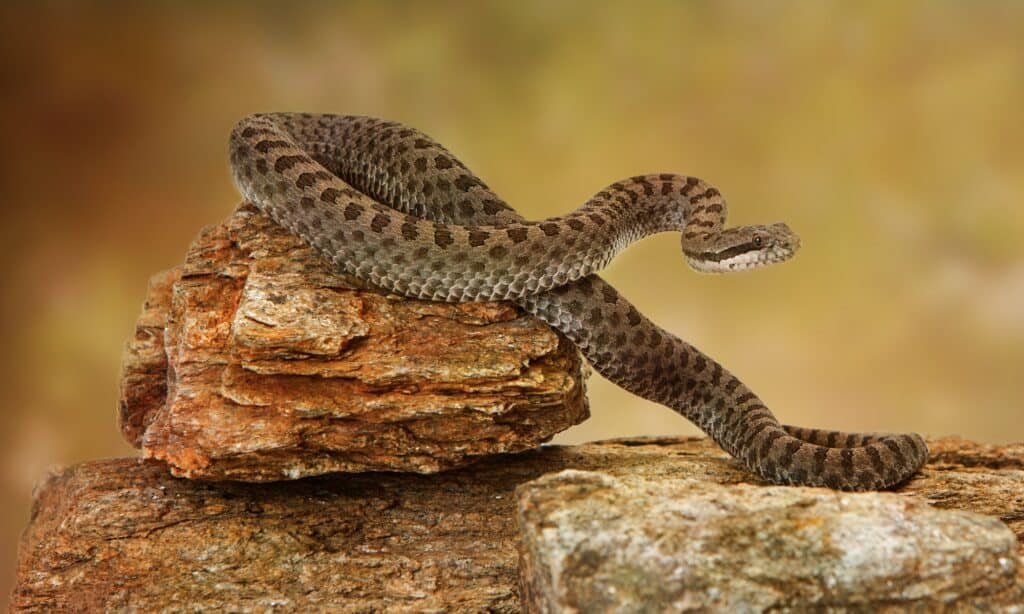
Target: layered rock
<point>125,535</point>
<point>255,361</point>
<point>595,543</point>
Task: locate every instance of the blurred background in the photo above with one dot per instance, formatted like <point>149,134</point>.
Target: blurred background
<point>889,135</point>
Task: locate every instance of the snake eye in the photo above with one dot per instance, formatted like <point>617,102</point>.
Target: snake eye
<point>758,241</point>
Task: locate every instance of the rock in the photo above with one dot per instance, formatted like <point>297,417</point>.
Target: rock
<point>255,361</point>
<point>595,543</point>
<point>125,535</point>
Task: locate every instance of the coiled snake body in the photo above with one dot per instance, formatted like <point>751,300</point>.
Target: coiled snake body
<point>389,205</point>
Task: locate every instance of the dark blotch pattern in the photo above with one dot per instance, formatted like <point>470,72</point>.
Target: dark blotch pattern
<point>478,237</point>
<point>443,237</point>
<point>379,222</point>
<point>517,235</point>
<point>551,229</point>
<point>285,163</point>
<point>492,206</point>
<point>330,195</point>
<point>465,182</point>
<point>353,211</point>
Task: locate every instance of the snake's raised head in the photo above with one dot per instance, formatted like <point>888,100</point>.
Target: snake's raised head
<point>739,249</point>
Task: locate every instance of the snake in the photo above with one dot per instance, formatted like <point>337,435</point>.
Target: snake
<point>388,204</point>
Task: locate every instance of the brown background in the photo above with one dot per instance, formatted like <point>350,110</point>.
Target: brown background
<point>889,135</point>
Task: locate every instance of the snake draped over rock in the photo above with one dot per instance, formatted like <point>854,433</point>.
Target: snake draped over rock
<point>389,205</point>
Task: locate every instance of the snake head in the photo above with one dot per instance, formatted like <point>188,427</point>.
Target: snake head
<point>742,248</point>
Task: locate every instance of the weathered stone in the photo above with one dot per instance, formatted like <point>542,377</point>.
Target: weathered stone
<point>255,361</point>
<point>125,535</point>
<point>983,478</point>
<point>595,543</point>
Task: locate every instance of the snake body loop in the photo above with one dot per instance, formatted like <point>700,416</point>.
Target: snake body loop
<point>388,204</point>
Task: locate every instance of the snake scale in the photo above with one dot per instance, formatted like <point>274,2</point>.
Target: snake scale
<point>388,204</point>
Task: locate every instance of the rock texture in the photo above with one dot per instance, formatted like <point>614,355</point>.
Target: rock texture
<point>254,361</point>
<point>595,543</point>
<point>125,535</point>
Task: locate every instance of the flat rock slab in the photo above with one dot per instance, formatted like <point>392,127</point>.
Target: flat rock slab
<point>595,543</point>
<point>254,361</point>
<point>125,535</point>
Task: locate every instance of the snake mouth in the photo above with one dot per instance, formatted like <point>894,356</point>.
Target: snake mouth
<point>727,263</point>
